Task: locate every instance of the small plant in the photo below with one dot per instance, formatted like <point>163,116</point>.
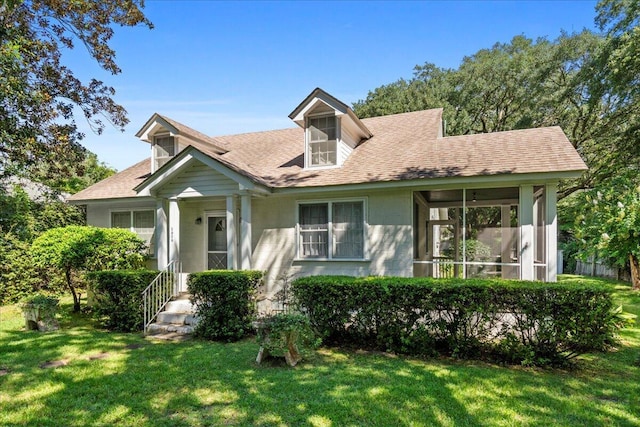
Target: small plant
<point>287,334</point>
<point>40,312</point>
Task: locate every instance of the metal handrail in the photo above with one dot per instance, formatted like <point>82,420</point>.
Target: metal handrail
<point>165,286</point>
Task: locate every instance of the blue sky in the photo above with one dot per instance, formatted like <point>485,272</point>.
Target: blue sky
<point>234,67</point>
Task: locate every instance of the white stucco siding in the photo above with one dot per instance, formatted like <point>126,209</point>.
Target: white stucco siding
<point>389,238</point>
<point>198,180</point>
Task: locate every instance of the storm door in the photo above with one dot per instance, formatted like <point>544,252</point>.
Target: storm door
<point>216,243</point>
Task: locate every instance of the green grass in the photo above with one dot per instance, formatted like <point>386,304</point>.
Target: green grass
<point>198,383</point>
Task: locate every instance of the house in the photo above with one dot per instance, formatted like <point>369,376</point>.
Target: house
<point>337,194</point>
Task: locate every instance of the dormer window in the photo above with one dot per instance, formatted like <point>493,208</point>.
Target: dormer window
<point>164,149</point>
<point>323,143</point>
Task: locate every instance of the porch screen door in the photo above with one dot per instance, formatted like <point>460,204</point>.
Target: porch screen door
<point>216,243</point>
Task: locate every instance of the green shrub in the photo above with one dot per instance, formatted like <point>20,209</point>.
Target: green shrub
<point>518,322</point>
<point>224,303</point>
<point>280,331</point>
<point>118,297</point>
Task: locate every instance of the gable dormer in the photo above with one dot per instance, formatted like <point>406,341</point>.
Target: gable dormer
<point>168,137</point>
<point>332,130</point>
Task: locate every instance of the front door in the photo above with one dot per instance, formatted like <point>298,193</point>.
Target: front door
<point>216,243</point>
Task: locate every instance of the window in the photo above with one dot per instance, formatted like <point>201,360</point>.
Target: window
<point>333,230</point>
<point>140,222</point>
<point>164,150</point>
<point>322,137</point>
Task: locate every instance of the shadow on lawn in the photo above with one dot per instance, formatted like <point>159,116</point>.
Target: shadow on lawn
<point>200,383</point>
<point>197,383</point>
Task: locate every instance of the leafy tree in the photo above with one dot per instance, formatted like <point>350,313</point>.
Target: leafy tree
<point>607,222</point>
<point>525,83</point>
<point>38,93</point>
<point>76,248</point>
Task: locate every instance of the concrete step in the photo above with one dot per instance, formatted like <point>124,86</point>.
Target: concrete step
<point>164,328</point>
<point>180,306</point>
<point>177,318</point>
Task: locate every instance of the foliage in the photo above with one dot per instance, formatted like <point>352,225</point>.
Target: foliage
<point>607,222</point>
<point>224,302</point>
<point>75,248</point>
<point>517,322</point>
<point>118,297</point>
<point>42,301</point>
<point>279,330</point>
<point>219,384</point>
<point>21,220</point>
<point>38,93</point>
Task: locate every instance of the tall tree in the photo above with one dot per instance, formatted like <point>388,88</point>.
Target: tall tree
<point>38,92</point>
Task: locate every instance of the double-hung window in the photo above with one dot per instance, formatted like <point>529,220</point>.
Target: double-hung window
<point>331,230</point>
<point>140,222</point>
<point>322,138</point>
<point>164,150</point>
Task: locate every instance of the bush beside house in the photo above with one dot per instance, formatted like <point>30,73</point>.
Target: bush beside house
<point>224,302</point>
<point>517,322</point>
<point>118,297</point>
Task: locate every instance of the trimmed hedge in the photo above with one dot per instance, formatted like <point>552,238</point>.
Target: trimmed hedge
<point>224,301</point>
<point>513,321</point>
<point>118,297</point>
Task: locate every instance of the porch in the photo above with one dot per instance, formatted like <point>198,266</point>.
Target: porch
<point>505,232</point>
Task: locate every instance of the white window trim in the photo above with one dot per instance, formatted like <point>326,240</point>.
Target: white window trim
<point>307,142</point>
<point>154,152</point>
<point>132,228</point>
<point>329,202</point>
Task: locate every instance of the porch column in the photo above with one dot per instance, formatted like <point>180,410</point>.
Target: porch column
<point>505,239</point>
<point>232,240</point>
<point>174,230</point>
<point>551,229</point>
<point>162,252</point>
<point>527,271</point>
<point>245,232</point>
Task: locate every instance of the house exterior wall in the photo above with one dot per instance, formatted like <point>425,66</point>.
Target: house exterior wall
<point>193,236</point>
<point>389,238</point>
<point>99,214</point>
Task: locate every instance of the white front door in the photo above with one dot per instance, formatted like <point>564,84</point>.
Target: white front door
<point>216,243</point>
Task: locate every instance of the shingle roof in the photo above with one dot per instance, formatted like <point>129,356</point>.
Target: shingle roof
<point>403,147</point>
<point>119,185</point>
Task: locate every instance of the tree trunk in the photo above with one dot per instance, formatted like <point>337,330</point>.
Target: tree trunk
<point>76,298</point>
<point>635,272</point>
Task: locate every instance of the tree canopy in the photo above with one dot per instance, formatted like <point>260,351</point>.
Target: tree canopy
<point>585,82</point>
<point>38,92</point>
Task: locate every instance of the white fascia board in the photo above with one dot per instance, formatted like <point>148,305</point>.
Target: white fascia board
<point>110,201</point>
<point>483,181</point>
<point>151,127</point>
<point>312,104</point>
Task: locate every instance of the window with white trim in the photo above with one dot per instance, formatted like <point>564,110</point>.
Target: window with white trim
<point>142,222</point>
<point>164,149</point>
<point>331,230</point>
<point>322,141</point>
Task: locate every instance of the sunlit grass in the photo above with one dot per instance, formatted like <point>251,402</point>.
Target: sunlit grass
<point>108,381</point>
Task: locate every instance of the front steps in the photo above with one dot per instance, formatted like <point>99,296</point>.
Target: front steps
<point>176,321</point>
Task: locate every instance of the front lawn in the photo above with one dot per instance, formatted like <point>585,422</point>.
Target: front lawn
<point>122,379</point>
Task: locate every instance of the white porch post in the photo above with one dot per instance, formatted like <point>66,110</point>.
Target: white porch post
<point>245,232</point>
<point>505,238</point>
<point>162,252</point>
<point>527,271</point>
<point>174,230</point>
<point>551,229</point>
<point>232,240</point>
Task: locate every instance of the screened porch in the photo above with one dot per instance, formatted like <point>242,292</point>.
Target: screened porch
<point>505,232</point>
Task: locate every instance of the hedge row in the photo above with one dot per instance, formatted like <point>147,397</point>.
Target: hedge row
<point>118,297</point>
<point>512,321</point>
<point>224,302</point>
